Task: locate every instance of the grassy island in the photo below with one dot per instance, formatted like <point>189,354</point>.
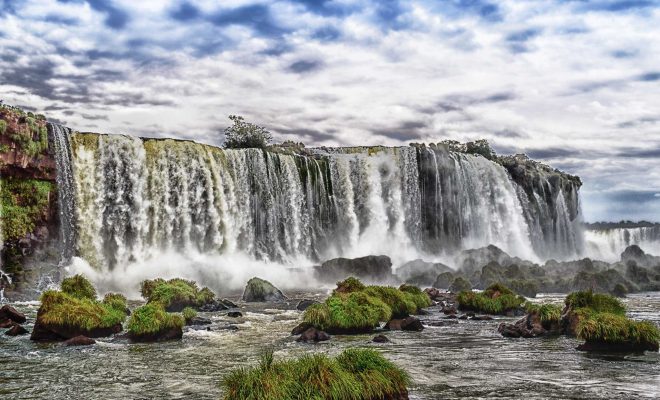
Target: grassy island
<point>175,294</point>
<point>354,307</point>
<point>151,323</point>
<point>496,299</point>
<point>359,374</point>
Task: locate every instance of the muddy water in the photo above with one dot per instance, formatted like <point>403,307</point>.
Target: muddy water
<point>457,359</point>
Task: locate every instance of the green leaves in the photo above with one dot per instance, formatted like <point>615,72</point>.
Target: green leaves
<point>242,135</point>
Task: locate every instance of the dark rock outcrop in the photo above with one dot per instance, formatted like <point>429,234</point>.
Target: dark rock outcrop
<point>421,273</point>
<point>369,268</point>
<point>313,335</point>
<point>79,341</point>
<point>530,326</point>
<point>160,336</point>
<point>44,332</point>
<point>234,314</point>
<point>305,303</point>
<point>198,321</point>
<point>260,290</point>
<point>8,312</point>
<point>380,339</point>
<point>405,324</point>
<point>16,330</point>
<point>300,328</point>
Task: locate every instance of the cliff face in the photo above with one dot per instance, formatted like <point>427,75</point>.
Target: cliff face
<point>28,195</point>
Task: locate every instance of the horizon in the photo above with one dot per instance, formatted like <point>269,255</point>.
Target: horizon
<point>560,81</point>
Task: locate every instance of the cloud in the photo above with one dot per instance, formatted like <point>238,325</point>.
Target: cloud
<point>305,66</point>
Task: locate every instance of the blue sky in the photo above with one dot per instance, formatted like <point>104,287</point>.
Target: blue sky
<point>573,83</point>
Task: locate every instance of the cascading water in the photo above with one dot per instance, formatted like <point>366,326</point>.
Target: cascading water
<point>65,193</point>
<point>136,199</point>
<point>608,244</point>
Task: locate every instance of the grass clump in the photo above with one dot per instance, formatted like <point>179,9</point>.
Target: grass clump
<point>496,299</point>
<point>357,374</point>
<point>116,301</point>
<point>62,309</point>
<point>401,305</point>
<point>596,302</point>
<point>79,287</point>
<point>188,313</point>
<point>547,312</point>
<point>152,319</point>
<point>416,295</point>
<point>349,285</point>
<point>606,327</point>
<point>175,294</point>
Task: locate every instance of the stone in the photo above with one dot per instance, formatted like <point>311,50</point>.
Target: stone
<point>10,313</point>
<point>16,330</point>
<point>405,324</point>
<point>380,339</point>
<point>460,284</point>
<point>313,335</point>
<point>199,321</point>
<point>260,290</point>
<point>420,273</point>
<point>369,268</point>
<point>300,328</point>
<point>530,326</point>
<point>305,303</point>
<point>234,314</point>
<point>160,336</point>
<point>79,341</point>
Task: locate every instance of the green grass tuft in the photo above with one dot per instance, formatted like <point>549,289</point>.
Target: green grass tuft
<point>116,301</point>
<point>188,313</point>
<point>349,285</point>
<point>175,292</point>
<point>606,327</point>
<point>62,309</point>
<point>79,287</point>
<point>547,312</point>
<point>152,318</point>
<point>356,374</point>
<point>595,301</point>
<point>496,299</point>
<point>416,295</point>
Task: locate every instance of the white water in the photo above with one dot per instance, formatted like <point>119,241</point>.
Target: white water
<point>608,244</point>
<point>174,208</point>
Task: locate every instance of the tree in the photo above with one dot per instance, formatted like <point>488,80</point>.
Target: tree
<point>242,135</point>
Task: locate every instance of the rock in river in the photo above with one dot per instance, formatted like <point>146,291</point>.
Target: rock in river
<point>259,290</point>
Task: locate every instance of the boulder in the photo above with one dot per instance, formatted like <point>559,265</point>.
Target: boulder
<point>163,335</point>
<point>259,290</point>
<point>300,328</point>
<point>618,347</point>
<point>313,335</point>
<point>369,268</point>
<point>213,306</point>
<point>460,284</point>
<point>198,321</point>
<point>530,326</point>
<point>79,341</point>
<point>44,332</point>
<point>8,312</point>
<point>421,273</point>
<point>234,314</point>
<point>405,324</point>
<point>16,330</point>
<point>6,323</point>
<point>380,339</point>
<point>305,303</point>
<point>444,280</point>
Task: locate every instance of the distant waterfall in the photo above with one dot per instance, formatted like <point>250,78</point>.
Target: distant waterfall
<point>135,198</point>
<point>65,192</point>
<point>608,244</point>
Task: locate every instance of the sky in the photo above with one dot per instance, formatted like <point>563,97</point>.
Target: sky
<point>572,83</point>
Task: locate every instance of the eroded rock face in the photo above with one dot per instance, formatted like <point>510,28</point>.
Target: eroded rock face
<point>260,290</point>
<point>369,268</point>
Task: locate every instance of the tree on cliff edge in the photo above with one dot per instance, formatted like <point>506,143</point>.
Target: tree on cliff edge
<point>242,135</point>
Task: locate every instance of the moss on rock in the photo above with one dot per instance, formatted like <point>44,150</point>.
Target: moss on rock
<point>79,287</point>
<point>496,299</point>
<point>151,323</point>
<point>175,294</point>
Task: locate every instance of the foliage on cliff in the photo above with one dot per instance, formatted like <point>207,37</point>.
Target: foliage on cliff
<point>359,374</point>
<point>23,131</point>
<point>24,203</point>
<point>242,134</point>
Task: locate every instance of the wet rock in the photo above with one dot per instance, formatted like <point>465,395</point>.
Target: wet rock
<point>460,284</point>
<point>444,280</point>
<point>198,321</point>
<point>440,323</point>
<point>619,290</point>
<point>160,336</point>
<point>305,304</point>
<point>405,324</point>
<point>421,273</point>
<point>481,318</point>
<point>6,323</point>
<point>213,306</point>
<point>16,330</point>
<point>79,341</point>
<point>234,314</point>
<point>228,303</point>
<point>44,332</point>
<point>260,290</point>
<point>618,347</point>
<point>227,328</point>
<point>313,335</point>
<point>8,312</point>
<point>463,317</point>
<point>300,328</point>
<point>433,293</point>
<point>370,268</point>
<point>449,310</point>
<point>380,339</point>
<point>530,326</point>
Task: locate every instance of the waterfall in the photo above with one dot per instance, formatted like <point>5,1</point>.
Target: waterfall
<point>608,244</point>
<point>65,190</point>
<point>137,198</point>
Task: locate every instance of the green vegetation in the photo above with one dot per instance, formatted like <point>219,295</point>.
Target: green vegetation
<point>24,202</point>
<point>176,293</point>
<point>354,307</point>
<point>151,319</point>
<point>596,302</point>
<point>79,287</point>
<point>547,312</point>
<point>61,309</point>
<point>3,126</point>
<point>116,301</point>
<point>188,313</point>
<point>357,374</point>
<point>496,299</point>
<point>606,327</point>
<point>243,135</point>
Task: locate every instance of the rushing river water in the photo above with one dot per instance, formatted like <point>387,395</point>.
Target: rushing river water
<point>457,359</point>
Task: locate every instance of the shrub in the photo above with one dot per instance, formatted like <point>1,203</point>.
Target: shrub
<point>348,285</point>
<point>547,312</point>
<point>188,313</point>
<point>79,287</point>
<point>152,318</point>
<point>357,374</point>
<point>400,305</point>
<point>606,327</point>
<point>355,311</point>
<point>243,134</point>
<point>416,295</point>
<point>115,300</point>
<point>176,293</point>
<point>62,309</point>
<point>496,299</point>
<point>595,301</point>
<point>3,126</point>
